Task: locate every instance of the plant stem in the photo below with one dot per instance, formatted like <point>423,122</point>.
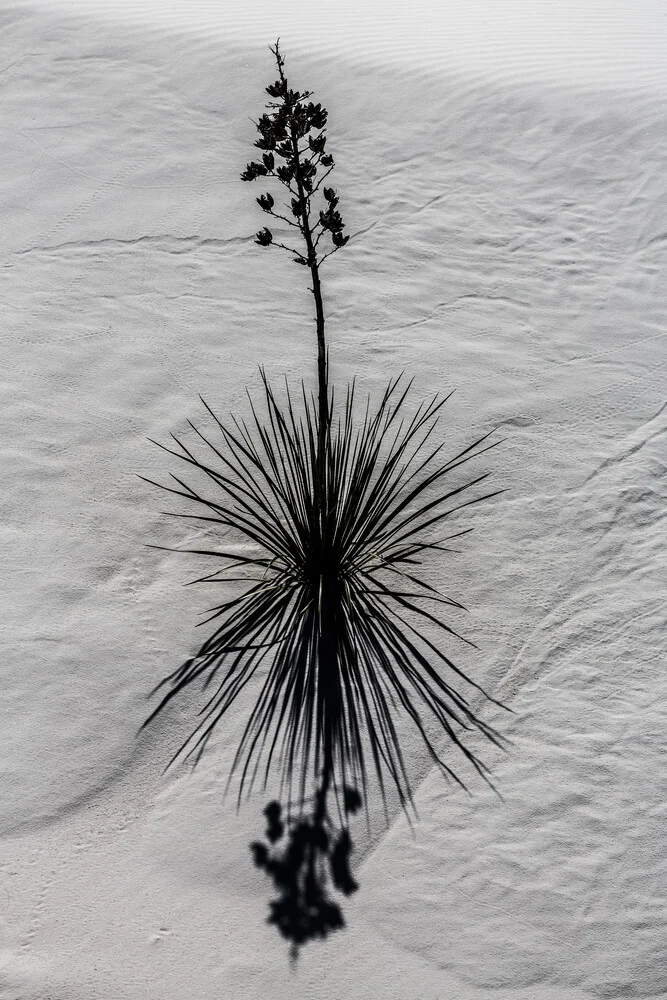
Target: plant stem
<point>323,402</point>
<point>322,373</point>
<point>327,668</point>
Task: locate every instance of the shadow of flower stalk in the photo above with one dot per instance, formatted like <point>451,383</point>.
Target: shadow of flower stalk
<point>333,519</point>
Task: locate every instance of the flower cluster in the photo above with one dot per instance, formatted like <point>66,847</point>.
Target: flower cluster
<point>290,120</point>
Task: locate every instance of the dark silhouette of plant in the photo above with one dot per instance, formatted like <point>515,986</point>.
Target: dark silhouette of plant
<point>336,516</point>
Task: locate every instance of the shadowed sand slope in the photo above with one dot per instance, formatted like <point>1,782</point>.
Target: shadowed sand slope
<point>510,243</point>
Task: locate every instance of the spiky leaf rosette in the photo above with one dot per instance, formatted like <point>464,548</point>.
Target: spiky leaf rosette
<point>334,597</point>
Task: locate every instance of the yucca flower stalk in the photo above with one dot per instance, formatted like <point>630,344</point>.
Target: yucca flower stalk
<point>336,510</point>
<point>295,132</point>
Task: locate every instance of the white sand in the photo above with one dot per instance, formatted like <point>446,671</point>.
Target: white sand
<point>511,243</point>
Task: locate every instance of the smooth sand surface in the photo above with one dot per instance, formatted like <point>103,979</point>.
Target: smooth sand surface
<point>510,236</point>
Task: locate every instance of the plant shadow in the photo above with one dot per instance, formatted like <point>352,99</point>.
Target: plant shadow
<point>306,856</point>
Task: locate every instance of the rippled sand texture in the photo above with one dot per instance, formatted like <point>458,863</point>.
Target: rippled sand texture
<point>510,243</point>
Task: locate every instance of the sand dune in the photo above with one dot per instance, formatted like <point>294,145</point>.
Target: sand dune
<point>599,41</point>
<point>509,242</point>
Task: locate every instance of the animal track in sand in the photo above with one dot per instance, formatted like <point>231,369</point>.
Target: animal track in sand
<point>160,935</point>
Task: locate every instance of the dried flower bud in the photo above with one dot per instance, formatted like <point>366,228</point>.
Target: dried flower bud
<point>277,89</point>
<point>331,219</point>
<point>317,144</point>
<point>253,170</point>
<point>317,116</point>
<point>264,237</point>
<point>286,173</point>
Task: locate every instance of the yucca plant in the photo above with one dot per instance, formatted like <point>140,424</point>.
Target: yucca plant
<point>337,507</point>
